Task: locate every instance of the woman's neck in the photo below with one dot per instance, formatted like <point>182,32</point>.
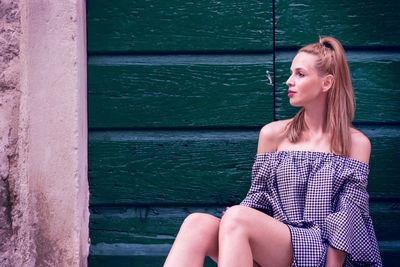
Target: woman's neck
<point>316,120</point>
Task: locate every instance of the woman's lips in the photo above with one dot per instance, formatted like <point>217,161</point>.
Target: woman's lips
<point>291,93</point>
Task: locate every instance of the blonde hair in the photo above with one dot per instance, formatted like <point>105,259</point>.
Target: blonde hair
<point>341,104</point>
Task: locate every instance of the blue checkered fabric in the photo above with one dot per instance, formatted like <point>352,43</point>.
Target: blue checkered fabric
<point>322,198</point>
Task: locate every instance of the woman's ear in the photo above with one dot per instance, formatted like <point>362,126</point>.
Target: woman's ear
<point>327,82</point>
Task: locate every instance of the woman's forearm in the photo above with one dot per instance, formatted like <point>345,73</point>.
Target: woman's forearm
<point>335,257</point>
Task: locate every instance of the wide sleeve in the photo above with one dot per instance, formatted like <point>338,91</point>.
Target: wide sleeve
<point>349,227</point>
<point>257,196</point>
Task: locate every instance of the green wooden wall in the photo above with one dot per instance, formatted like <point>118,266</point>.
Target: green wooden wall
<point>178,91</point>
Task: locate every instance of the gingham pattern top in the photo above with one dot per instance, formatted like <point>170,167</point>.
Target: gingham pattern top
<point>322,198</point>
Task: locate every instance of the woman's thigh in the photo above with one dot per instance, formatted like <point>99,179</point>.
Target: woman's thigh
<point>269,238</point>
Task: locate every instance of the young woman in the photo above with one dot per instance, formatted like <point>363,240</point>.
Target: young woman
<point>308,204</point>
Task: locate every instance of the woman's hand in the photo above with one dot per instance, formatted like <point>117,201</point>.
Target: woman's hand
<point>335,257</point>
<point>224,211</point>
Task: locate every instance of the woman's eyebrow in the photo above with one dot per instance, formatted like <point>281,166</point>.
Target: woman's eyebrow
<point>297,69</point>
<point>300,68</point>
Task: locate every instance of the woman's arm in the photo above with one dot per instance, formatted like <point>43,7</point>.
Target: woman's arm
<point>360,150</point>
<point>360,146</point>
<point>334,257</point>
<point>270,136</point>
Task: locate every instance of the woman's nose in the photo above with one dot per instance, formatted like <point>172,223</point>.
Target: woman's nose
<point>289,81</point>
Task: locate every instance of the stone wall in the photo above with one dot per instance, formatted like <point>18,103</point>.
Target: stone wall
<point>10,216</point>
<point>43,134</point>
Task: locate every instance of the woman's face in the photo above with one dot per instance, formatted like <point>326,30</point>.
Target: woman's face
<point>305,84</point>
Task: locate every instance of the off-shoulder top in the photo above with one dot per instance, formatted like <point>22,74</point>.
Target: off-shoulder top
<point>322,198</point>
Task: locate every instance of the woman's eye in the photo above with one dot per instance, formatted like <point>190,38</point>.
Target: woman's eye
<point>301,74</point>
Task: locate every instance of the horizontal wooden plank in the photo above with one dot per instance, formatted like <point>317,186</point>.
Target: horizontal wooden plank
<point>389,258</point>
<point>203,166</point>
<point>170,166</point>
<point>128,26</point>
<point>366,23</point>
<point>375,81</point>
<point>180,91</point>
<point>154,225</point>
<point>141,225</point>
<point>132,261</point>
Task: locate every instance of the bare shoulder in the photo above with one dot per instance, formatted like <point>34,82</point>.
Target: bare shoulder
<point>271,135</point>
<point>360,146</point>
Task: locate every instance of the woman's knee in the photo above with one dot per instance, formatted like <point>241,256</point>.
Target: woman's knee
<point>234,219</point>
<point>200,224</point>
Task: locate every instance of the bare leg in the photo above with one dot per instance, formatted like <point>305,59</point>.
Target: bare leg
<point>246,234</point>
<point>197,238</point>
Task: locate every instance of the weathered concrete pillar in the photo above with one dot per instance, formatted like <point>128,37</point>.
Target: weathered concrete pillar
<point>43,133</point>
